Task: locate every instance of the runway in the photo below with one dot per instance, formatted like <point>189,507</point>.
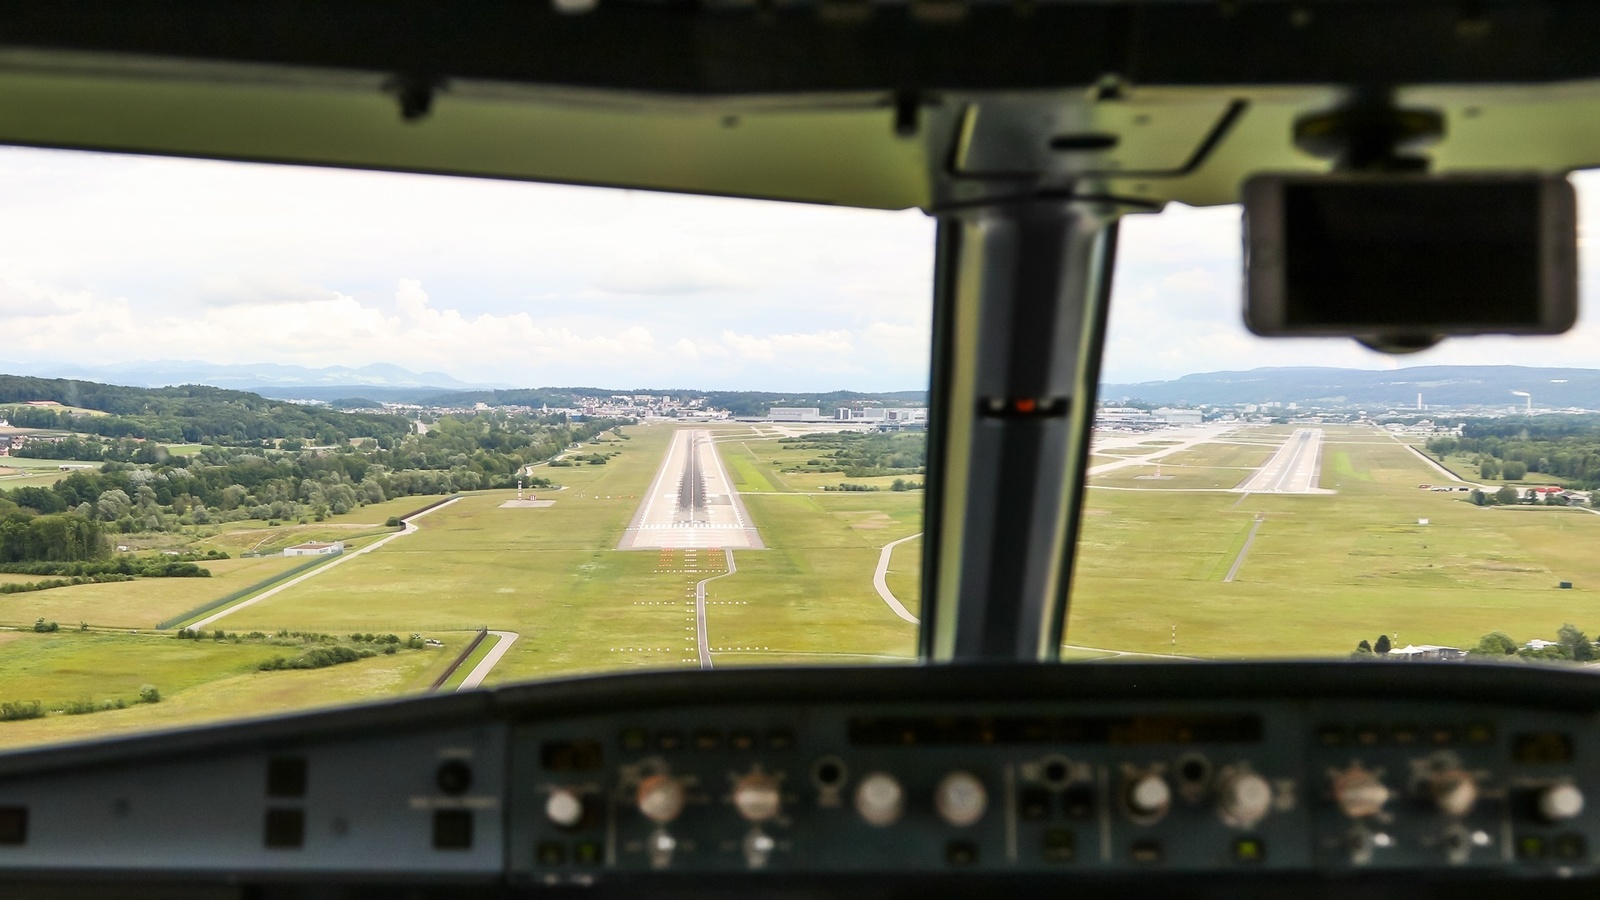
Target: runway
<point>1294,469</point>
<point>691,503</point>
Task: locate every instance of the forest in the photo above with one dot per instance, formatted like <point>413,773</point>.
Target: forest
<point>862,455</point>
<point>139,490</point>
<point>1561,449</point>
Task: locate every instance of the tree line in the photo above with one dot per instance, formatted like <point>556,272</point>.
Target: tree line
<point>1563,449</point>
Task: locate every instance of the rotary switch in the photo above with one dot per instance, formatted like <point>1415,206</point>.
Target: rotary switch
<point>660,798</point>
<point>1455,792</point>
<point>1243,798</point>
<point>757,797</point>
<point>1359,792</point>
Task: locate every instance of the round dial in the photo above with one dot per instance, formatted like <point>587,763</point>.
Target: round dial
<point>1560,802</point>
<point>961,798</point>
<point>1243,798</point>
<point>564,807</point>
<point>880,799</point>
<point>660,798</point>
<point>1149,795</point>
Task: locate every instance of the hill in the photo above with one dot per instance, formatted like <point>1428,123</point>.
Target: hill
<point>1440,386</point>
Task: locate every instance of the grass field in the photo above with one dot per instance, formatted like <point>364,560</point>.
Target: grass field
<point>1326,571</point>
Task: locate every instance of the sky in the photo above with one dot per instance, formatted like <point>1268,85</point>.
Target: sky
<point>112,259</point>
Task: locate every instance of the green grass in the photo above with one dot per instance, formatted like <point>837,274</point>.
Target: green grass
<point>1326,571</point>
<point>183,449</point>
<point>199,681</point>
<point>137,604</point>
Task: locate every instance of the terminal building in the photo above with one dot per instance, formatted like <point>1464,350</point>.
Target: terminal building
<point>795,414</point>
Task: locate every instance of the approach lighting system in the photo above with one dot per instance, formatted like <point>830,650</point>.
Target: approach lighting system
<point>1399,261</point>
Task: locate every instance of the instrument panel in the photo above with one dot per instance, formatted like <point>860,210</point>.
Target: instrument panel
<point>952,775</point>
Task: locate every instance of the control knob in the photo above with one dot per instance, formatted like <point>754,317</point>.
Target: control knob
<point>756,796</point>
<point>1243,798</point>
<point>660,798</point>
<point>564,808</point>
<point>880,799</point>
<point>1454,792</point>
<point>960,798</point>
<point>1148,796</point>
<point>1560,802</point>
<point>1359,792</point>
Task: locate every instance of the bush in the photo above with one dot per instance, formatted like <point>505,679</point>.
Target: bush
<point>394,522</point>
<point>43,627</point>
<point>15,710</point>
<point>149,694</point>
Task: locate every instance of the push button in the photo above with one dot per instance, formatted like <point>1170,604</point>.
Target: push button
<point>1033,804</point>
<point>961,854</point>
<point>1249,850</point>
<point>1059,845</point>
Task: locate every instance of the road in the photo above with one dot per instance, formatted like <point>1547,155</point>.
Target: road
<point>481,670</point>
<point>336,561</point>
<point>880,580</point>
<point>1293,469</point>
<point>691,503</point>
<point>701,634</point>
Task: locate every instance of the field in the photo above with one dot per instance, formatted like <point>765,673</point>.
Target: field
<point>550,574</point>
<point>1324,571</point>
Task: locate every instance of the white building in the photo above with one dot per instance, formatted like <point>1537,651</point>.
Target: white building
<point>315,548</point>
<point>1180,416</point>
<point>795,414</point>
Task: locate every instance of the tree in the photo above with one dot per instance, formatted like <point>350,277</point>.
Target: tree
<point>1382,646</point>
<point>1507,495</point>
<point>1479,498</point>
<point>149,694</point>
<point>1495,644</point>
<point>1364,648</point>
<point>1513,471</point>
<point>1488,467</point>
<point>1576,642</point>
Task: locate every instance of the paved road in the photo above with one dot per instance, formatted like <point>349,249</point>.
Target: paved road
<point>481,670</point>
<point>1185,437</point>
<point>1245,550</point>
<point>880,580</point>
<point>1293,469</point>
<point>336,561</point>
<point>691,503</point>
<point>701,634</point>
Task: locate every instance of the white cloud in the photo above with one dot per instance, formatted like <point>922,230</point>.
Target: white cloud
<point>108,259</point>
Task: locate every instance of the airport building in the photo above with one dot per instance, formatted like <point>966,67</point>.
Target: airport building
<point>795,414</point>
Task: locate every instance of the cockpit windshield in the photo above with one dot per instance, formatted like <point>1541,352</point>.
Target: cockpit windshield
<point>1310,498</point>
<point>274,438</point>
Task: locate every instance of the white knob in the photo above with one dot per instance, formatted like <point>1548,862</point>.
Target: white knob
<point>660,798</point>
<point>1455,792</point>
<point>1359,793</point>
<point>960,799</point>
<point>1149,795</point>
<point>756,797</point>
<point>879,799</point>
<point>1560,802</point>
<point>1243,798</point>
<point>564,807</point>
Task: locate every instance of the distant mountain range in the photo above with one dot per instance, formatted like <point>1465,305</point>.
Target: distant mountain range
<point>267,379</point>
<point>1440,386</point>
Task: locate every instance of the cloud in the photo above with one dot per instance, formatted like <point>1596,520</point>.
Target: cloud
<point>677,275</point>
